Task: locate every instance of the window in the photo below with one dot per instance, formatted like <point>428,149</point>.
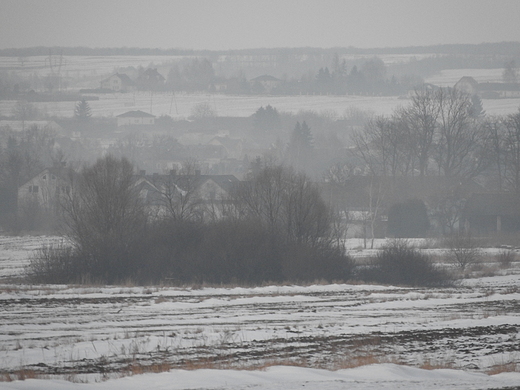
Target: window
<point>33,189</point>
<point>44,177</point>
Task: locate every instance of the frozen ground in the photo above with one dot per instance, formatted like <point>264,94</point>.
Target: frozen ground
<point>211,338</point>
<point>374,377</point>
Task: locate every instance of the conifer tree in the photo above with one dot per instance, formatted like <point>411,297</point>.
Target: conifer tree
<point>82,111</point>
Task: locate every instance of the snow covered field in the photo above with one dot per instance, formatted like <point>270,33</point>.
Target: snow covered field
<point>181,105</point>
<point>332,336</point>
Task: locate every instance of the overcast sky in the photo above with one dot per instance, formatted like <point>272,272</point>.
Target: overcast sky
<point>239,24</point>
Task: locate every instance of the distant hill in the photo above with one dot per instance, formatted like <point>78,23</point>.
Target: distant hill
<point>499,48</point>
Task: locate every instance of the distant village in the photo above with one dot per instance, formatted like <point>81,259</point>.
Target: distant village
<point>223,151</point>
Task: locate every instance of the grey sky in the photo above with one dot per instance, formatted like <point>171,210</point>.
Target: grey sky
<point>237,24</point>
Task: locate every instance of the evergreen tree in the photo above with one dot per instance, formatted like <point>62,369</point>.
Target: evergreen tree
<point>476,108</point>
<point>300,145</point>
<point>510,74</point>
<point>82,111</point>
<point>266,119</point>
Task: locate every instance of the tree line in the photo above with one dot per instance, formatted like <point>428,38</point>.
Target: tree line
<point>443,132</point>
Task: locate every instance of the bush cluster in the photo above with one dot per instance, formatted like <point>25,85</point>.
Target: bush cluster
<point>401,264</point>
<point>279,230</point>
<point>183,252</point>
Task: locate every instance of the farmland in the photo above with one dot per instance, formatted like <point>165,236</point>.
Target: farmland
<point>91,333</point>
<point>86,72</point>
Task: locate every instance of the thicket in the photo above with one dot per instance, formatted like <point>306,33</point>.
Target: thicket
<point>401,264</point>
<point>276,229</point>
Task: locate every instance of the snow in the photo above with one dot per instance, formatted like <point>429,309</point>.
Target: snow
<point>383,376</point>
<point>471,328</point>
<point>180,105</point>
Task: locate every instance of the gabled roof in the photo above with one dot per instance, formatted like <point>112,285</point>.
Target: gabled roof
<point>185,182</point>
<point>136,114</point>
<point>63,173</point>
<point>123,77</point>
<point>152,74</point>
<point>227,142</point>
<point>467,79</point>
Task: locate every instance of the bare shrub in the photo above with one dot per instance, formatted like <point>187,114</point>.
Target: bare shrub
<point>52,264</point>
<point>505,257</point>
<point>463,250</point>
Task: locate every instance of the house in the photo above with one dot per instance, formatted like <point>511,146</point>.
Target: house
<point>467,84</point>
<point>488,90</point>
<point>150,79</point>
<point>46,187</point>
<point>486,213</point>
<point>118,82</point>
<point>266,82</point>
<point>135,118</point>
<point>234,148</point>
<point>201,194</point>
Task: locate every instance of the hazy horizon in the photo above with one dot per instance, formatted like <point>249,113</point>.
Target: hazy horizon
<point>250,24</point>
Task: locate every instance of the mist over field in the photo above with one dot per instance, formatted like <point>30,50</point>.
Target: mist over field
<point>259,194</point>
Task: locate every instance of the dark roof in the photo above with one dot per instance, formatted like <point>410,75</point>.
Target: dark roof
<point>467,80</point>
<point>63,173</point>
<point>125,79</point>
<point>136,114</point>
<point>265,77</point>
<point>152,73</point>
<point>493,204</point>
<point>184,182</point>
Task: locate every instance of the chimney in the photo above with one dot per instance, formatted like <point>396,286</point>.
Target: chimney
<point>173,172</point>
<point>142,172</point>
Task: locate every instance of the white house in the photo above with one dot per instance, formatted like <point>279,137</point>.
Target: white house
<point>135,118</point>
<point>488,90</point>
<point>266,81</point>
<point>118,82</point>
<point>46,187</point>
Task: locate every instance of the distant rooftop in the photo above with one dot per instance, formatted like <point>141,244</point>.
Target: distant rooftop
<point>136,114</point>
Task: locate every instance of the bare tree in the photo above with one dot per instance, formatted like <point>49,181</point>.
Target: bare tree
<point>105,217</point>
<point>179,193</point>
<point>494,133</point>
<point>464,250</point>
<point>512,151</point>
<point>460,138</point>
<point>383,146</point>
<point>202,110</point>
<point>421,118</point>
<point>24,111</point>
<point>286,203</point>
